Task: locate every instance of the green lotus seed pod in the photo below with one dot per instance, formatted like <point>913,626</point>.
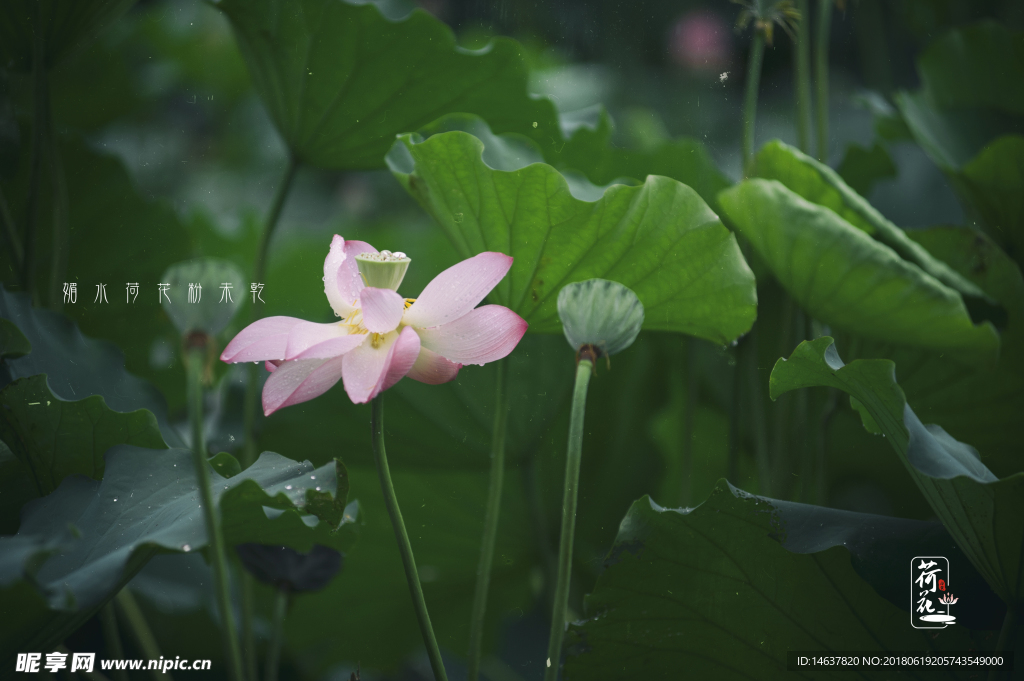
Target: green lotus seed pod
<point>384,269</point>
<point>600,313</point>
<point>202,294</point>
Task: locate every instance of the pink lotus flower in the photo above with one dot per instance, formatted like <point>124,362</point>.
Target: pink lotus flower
<point>382,336</point>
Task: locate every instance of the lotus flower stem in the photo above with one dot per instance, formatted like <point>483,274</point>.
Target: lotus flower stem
<point>1007,634</point>
<point>735,416</point>
<point>140,630</point>
<point>572,478</point>
<point>821,75</point>
<point>692,395</point>
<point>497,478</point>
<point>277,634</point>
<point>750,99</point>
<point>404,546</point>
<point>40,114</point>
<point>196,358</point>
<point>802,74</point>
<point>248,598</point>
<point>112,639</point>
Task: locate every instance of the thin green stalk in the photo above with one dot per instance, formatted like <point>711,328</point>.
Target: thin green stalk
<point>258,271</point>
<point>573,458</point>
<point>11,232</point>
<point>61,233</point>
<point>277,634</point>
<point>40,114</point>
<point>750,99</point>
<point>497,478</point>
<point>196,358</point>
<point>404,546</point>
<point>140,630</point>
<point>692,395</point>
<point>799,433</point>
<point>802,76</point>
<point>821,74</point>
<point>1006,638</point>
<point>827,410</point>
<point>757,418</point>
<point>539,526</point>
<point>735,416</point>
<point>247,585</point>
<point>112,639</point>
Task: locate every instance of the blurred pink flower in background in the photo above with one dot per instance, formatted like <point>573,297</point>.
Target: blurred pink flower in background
<point>701,41</point>
<point>382,337</point>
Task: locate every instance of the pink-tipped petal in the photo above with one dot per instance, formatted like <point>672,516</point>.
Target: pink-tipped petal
<point>382,309</point>
<point>260,341</point>
<point>342,281</point>
<point>271,366</point>
<point>308,340</point>
<point>486,334</point>
<point>365,368</point>
<point>433,369</point>
<point>458,289</point>
<point>403,357</point>
<point>300,381</point>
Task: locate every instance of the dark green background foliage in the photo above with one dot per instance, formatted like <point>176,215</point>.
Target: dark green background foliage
<point>733,504</point>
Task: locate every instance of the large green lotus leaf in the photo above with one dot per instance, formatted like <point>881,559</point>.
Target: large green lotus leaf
<point>77,367</point>
<point>985,515</point>
<point>977,65</point>
<point>841,276</point>
<point>819,184</point>
<point>341,80</point>
<point>992,182</point>
<point>979,258</point>
<point>589,150</point>
<point>661,239</point>
<point>84,541</point>
<point>54,438</point>
<point>725,590</point>
<point>66,25</point>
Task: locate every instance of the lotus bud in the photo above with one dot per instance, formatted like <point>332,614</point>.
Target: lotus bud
<point>599,317</point>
